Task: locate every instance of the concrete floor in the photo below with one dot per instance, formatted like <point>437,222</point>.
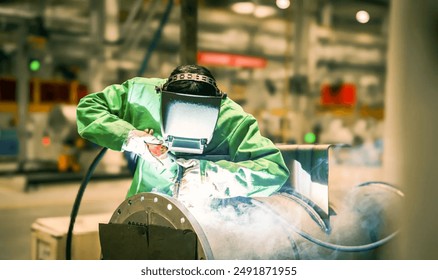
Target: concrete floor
<point>19,208</point>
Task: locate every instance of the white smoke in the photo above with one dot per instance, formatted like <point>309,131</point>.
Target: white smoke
<point>237,231</point>
<point>276,227</point>
<point>244,232</point>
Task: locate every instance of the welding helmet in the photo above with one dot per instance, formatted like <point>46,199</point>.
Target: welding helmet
<point>188,120</point>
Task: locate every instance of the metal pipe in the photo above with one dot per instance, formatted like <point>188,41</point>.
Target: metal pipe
<point>274,227</point>
<point>22,73</point>
<point>156,38</point>
<point>132,39</point>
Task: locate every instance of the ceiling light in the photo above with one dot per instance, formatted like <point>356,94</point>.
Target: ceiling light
<point>282,4</point>
<point>249,8</point>
<point>243,7</point>
<point>264,11</point>
<point>362,16</point>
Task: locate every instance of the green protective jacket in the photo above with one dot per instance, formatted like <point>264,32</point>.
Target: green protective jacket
<point>105,118</point>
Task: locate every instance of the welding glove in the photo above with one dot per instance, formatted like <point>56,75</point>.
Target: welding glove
<point>148,148</point>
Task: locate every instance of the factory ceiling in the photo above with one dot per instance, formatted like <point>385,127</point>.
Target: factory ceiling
<point>71,29</point>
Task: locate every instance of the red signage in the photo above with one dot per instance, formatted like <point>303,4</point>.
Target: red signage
<point>344,94</point>
<point>227,59</point>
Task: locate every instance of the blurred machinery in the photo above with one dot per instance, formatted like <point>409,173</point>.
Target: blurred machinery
<point>66,155</point>
<point>299,222</point>
<point>62,130</point>
<point>9,143</point>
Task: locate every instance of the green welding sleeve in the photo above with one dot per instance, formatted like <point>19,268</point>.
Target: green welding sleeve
<point>256,163</point>
<point>99,117</point>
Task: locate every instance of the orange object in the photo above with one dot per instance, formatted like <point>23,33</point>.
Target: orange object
<point>157,150</point>
<point>63,163</point>
<point>344,94</point>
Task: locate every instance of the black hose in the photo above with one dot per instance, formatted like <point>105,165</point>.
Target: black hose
<point>386,185</point>
<point>346,248</point>
<point>156,38</point>
<point>76,204</point>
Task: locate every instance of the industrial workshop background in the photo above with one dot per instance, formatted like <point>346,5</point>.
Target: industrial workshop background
<point>356,72</point>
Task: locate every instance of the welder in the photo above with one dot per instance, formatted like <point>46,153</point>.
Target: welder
<point>181,125</point>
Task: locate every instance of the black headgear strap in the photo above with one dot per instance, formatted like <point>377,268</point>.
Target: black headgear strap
<point>193,77</point>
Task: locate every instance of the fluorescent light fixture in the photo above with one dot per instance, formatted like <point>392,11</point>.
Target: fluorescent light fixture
<point>248,8</point>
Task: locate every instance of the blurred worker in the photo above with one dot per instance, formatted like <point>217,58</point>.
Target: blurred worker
<point>133,117</point>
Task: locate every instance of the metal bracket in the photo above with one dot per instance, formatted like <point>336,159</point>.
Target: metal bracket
<point>309,166</point>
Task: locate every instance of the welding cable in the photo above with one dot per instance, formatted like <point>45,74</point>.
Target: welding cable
<point>386,185</point>
<point>156,38</point>
<point>303,202</point>
<point>293,244</point>
<point>335,247</point>
<point>78,199</point>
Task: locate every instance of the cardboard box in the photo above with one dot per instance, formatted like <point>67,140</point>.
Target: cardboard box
<point>49,237</point>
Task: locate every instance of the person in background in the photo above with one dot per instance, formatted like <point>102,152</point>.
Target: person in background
<point>237,161</point>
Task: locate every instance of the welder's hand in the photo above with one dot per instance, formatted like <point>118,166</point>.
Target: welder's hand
<point>139,142</point>
<point>154,145</point>
<point>134,143</point>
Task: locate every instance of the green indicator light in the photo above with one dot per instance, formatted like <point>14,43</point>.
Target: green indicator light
<point>34,65</point>
<point>310,138</point>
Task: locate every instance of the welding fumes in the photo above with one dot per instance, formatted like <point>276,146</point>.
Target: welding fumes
<point>279,227</point>
<point>285,225</point>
